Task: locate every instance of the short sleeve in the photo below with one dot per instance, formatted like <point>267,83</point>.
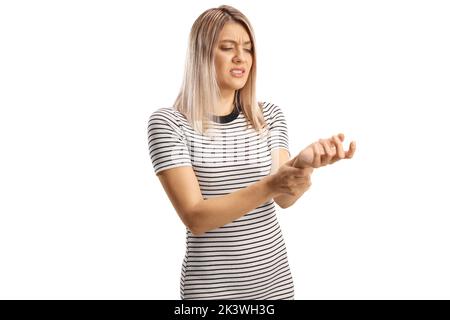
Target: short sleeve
<point>166,143</point>
<point>278,131</point>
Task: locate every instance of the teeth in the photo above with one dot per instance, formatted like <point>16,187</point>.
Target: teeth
<point>236,71</point>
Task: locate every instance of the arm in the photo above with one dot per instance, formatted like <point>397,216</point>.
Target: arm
<point>201,215</point>
<point>215,212</point>
<point>279,157</point>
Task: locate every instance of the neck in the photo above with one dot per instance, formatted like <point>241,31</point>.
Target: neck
<point>226,103</point>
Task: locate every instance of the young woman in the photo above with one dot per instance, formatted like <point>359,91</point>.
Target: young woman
<point>223,159</point>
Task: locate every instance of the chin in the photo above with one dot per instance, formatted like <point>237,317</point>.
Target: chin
<point>237,87</point>
<point>238,84</point>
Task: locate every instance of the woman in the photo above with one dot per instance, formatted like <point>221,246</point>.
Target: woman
<point>223,160</point>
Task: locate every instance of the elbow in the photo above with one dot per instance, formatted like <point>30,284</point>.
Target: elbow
<point>193,223</point>
<point>195,229</point>
<point>196,232</point>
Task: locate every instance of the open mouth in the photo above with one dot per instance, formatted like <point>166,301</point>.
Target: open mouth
<point>237,73</point>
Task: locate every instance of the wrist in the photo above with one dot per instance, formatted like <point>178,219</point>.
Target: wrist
<point>268,186</point>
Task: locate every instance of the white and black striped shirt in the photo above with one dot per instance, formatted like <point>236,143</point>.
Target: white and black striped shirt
<point>246,258</point>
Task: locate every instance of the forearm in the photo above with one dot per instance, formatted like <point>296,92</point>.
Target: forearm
<point>215,212</point>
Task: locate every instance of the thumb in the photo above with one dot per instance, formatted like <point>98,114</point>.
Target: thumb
<point>296,171</point>
<point>290,162</point>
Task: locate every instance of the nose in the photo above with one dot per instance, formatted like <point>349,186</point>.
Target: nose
<point>239,56</point>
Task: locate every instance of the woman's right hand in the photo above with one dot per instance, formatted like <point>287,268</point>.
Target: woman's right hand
<point>290,180</point>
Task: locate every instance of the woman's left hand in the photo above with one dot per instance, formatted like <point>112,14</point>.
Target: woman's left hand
<point>324,152</point>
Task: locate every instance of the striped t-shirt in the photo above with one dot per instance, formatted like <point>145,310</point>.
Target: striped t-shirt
<point>246,258</point>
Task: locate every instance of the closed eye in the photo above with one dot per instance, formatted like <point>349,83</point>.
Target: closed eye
<point>226,49</point>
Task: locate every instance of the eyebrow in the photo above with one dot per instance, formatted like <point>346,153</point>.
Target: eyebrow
<point>227,40</point>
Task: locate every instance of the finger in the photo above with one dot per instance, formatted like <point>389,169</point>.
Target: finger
<point>302,185</point>
<point>299,182</point>
<point>328,151</point>
<point>340,149</point>
<point>301,173</point>
<point>351,150</point>
<point>296,181</point>
<point>335,144</point>
<point>298,176</point>
<point>323,152</point>
<point>294,171</point>
<point>317,155</point>
<point>334,148</point>
<point>304,172</point>
<point>320,148</point>
<point>308,170</point>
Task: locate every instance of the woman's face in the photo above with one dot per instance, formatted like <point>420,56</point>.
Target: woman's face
<point>233,50</point>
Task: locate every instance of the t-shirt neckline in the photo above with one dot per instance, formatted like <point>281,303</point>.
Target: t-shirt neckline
<point>229,117</point>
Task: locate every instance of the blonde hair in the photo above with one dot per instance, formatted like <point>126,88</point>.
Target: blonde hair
<point>200,91</point>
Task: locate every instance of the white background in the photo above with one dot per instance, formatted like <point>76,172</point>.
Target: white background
<point>82,215</point>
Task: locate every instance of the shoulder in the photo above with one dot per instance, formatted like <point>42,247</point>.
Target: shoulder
<point>270,110</point>
<point>165,116</point>
<point>163,113</point>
